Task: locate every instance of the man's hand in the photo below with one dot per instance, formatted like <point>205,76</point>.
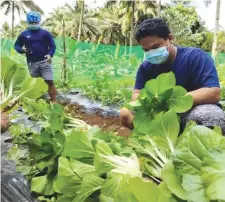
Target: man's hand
<point>49,58</point>
<point>27,51</point>
<point>135,94</point>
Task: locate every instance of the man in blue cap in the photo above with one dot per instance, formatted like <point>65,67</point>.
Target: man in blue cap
<point>39,47</point>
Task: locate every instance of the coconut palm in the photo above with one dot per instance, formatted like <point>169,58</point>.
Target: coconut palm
<point>88,26</point>
<point>5,30</point>
<point>20,6</point>
<point>131,12</point>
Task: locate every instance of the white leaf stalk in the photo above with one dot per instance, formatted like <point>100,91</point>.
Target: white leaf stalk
<point>124,165</point>
<point>77,123</point>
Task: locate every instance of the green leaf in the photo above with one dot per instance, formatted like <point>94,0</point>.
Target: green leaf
<point>144,190</point>
<point>173,180</point>
<point>194,188</point>
<point>25,170</point>
<point>65,198</point>
<point>213,175</point>
<point>70,175</point>
<point>142,120</point>
<point>125,196</point>
<point>114,184</point>
<point>180,102</point>
<point>68,182</point>
<point>91,183</point>
<point>34,87</point>
<point>162,83</point>
<point>164,130</point>
<point>103,198</point>
<point>78,145</point>
<point>42,185</point>
<point>194,151</point>
<point>100,164</point>
<point>15,153</point>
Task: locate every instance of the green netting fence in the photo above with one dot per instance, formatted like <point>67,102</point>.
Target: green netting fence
<point>87,59</point>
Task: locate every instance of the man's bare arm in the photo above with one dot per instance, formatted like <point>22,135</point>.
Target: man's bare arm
<point>205,95</point>
<point>135,94</point>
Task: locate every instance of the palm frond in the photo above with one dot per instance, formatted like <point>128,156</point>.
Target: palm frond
<point>31,5</point>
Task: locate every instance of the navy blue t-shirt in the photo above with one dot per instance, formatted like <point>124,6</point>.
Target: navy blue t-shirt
<point>192,67</point>
<point>40,42</point>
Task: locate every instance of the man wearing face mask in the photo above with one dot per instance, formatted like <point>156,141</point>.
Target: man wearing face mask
<point>39,47</point>
<point>193,68</point>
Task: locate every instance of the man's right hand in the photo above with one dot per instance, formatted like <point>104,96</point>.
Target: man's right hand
<point>27,51</point>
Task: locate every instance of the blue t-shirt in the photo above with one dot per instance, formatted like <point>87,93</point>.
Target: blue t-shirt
<point>192,67</point>
<point>40,42</point>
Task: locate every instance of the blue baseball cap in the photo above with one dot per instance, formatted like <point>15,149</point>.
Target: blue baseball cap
<point>33,17</point>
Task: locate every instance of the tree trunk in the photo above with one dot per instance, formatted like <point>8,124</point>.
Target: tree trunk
<point>64,53</point>
<point>215,43</point>
<point>159,8</point>
<point>132,26</point>
<point>13,17</point>
<point>81,19</point>
<point>125,43</point>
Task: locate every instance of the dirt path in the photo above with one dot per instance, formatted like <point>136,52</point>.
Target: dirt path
<point>105,123</point>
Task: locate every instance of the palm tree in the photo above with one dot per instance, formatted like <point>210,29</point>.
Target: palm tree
<point>54,23</point>
<point>81,17</point>
<point>5,30</point>
<point>111,30</point>
<point>11,5</point>
<point>85,23</point>
<point>216,29</point>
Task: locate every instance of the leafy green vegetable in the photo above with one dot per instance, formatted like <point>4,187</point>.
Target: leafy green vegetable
<point>213,175</point>
<point>70,175</point>
<point>16,84</point>
<point>197,170</point>
<point>91,183</point>
<point>158,96</point>
<point>78,145</point>
<point>42,185</point>
<point>114,184</point>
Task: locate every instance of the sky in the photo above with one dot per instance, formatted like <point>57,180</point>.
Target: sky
<point>206,13</point>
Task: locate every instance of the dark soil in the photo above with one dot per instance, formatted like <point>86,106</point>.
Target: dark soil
<point>105,123</point>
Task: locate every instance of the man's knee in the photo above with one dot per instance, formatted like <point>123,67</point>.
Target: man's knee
<point>207,115</point>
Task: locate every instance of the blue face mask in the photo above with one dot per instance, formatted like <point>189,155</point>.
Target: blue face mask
<point>157,56</point>
<point>33,26</point>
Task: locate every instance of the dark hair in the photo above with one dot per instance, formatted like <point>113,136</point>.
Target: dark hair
<point>155,26</point>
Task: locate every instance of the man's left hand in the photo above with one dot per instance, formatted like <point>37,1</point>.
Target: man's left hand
<point>49,58</point>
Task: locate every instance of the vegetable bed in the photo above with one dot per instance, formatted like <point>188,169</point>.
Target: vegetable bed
<point>70,160</point>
